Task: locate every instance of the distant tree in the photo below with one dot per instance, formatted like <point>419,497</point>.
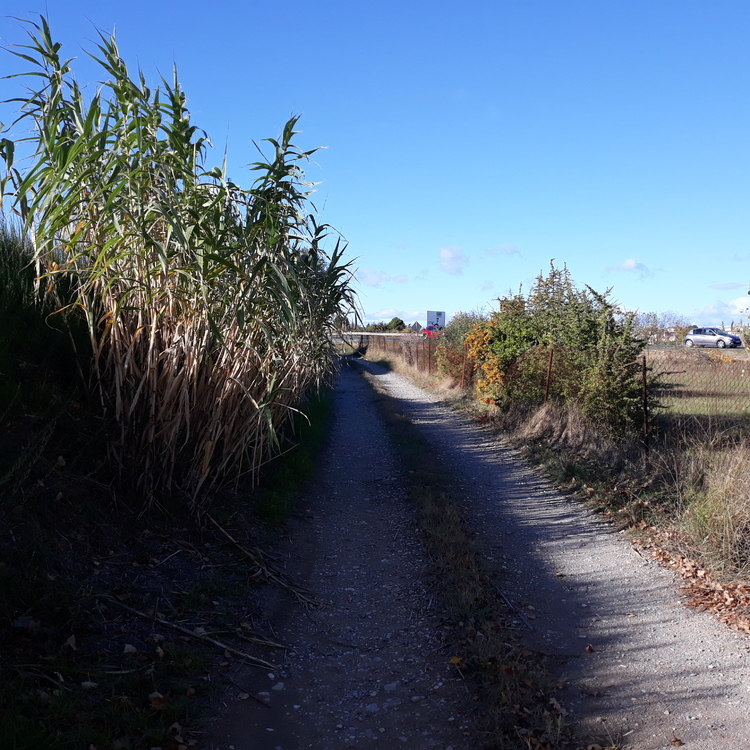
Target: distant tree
<point>660,328</point>
<point>396,324</point>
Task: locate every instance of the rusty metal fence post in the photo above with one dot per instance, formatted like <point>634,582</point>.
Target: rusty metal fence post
<point>549,373</point>
<point>645,408</point>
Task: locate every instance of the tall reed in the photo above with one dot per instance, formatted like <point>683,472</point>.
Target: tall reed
<point>210,308</point>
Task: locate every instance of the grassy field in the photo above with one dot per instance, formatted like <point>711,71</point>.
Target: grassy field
<point>703,382</point>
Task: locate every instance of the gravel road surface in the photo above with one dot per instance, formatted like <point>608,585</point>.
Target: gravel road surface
<point>368,669</point>
<point>639,669</point>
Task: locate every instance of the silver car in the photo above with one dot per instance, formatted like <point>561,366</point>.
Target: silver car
<point>711,337</point>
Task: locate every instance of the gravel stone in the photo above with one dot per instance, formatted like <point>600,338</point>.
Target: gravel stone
<point>356,544</point>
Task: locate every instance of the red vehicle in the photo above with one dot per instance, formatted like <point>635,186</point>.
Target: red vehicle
<point>431,332</point>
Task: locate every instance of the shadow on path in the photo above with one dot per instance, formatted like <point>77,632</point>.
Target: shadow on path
<point>638,668</point>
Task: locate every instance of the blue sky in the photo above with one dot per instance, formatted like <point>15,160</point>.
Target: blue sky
<point>469,143</point>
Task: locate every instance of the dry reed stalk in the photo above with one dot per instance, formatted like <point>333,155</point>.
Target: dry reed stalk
<point>210,308</point>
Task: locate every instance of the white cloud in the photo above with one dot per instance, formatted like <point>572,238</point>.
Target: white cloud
<point>487,286</point>
<point>631,265</point>
<point>387,313</point>
<point>423,275</point>
<point>453,260</point>
<point>723,312</point>
<point>383,313</point>
<point>369,277</point>
<point>505,249</point>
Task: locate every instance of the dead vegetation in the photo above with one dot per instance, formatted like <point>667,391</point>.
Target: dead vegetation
<point>131,620</point>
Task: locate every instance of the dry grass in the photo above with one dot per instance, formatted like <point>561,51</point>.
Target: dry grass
<point>703,381</point>
<point>566,428</point>
<point>709,483</point>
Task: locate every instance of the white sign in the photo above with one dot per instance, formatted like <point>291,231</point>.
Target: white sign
<point>436,318</point>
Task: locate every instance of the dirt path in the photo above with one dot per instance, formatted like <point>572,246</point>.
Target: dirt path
<point>658,671</point>
<point>639,669</point>
<point>367,669</point>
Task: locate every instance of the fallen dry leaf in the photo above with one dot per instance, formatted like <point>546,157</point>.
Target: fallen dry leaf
<point>676,742</point>
<point>158,701</point>
<point>129,649</point>
<point>590,649</point>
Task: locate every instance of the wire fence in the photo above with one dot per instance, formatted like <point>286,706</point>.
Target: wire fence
<point>417,351</point>
<point>702,383</point>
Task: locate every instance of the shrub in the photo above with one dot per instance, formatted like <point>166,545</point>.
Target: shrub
<point>594,351</point>
<point>452,349</point>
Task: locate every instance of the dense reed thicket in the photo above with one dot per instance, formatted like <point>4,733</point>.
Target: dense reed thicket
<point>209,308</point>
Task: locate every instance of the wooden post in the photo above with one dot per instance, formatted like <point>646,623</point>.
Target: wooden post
<point>549,373</point>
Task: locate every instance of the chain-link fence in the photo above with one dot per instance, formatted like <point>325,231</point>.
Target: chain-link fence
<point>702,382</point>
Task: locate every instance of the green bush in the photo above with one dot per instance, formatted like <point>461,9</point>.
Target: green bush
<point>451,350</point>
<point>595,354</point>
